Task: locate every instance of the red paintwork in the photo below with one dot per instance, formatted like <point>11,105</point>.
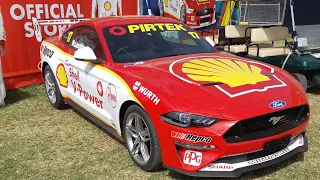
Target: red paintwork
<point>177,95</point>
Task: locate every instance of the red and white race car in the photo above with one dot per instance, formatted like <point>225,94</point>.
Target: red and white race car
<point>194,13</point>
<point>174,100</point>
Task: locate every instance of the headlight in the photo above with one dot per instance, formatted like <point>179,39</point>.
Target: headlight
<point>189,11</point>
<point>185,119</point>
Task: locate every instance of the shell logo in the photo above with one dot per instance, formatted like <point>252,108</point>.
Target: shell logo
<point>107,5</point>
<point>203,1</point>
<point>231,72</point>
<point>232,76</point>
<point>62,76</point>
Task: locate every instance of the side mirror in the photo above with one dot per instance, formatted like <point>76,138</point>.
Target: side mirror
<point>210,40</point>
<point>86,54</point>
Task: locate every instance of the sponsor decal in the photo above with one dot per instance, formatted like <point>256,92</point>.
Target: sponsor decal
<point>62,76</point>
<point>107,6</point>
<point>194,35</point>
<point>74,74</point>
<point>24,12</point>
<point>112,95</point>
<point>220,166</point>
<point>298,142</point>
<point>192,158</point>
<point>270,157</point>
<point>145,91</point>
<point>99,88</point>
<point>86,95</point>
<point>117,31</point>
<point>155,27</point>
<point>275,119</point>
<point>203,1</point>
<point>232,76</point>
<point>191,23</point>
<point>47,52</point>
<point>190,137</point>
<point>277,104</point>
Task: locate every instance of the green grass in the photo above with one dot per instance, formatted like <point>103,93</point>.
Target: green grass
<point>39,142</point>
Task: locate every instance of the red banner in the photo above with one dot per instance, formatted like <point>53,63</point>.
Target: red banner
<point>20,64</point>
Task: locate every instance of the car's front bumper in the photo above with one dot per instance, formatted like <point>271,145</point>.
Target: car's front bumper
<point>234,167</point>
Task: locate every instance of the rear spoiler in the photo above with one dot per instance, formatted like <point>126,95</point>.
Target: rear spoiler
<point>37,23</point>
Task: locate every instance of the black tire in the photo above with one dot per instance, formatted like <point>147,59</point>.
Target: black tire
<point>302,79</point>
<point>59,102</point>
<point>155,161</point>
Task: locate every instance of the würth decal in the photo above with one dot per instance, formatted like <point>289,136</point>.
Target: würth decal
<point>145,91</point>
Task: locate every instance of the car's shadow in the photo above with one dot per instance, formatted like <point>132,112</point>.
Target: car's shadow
<point>314,91</point>
<point>16,95</point>
<point>99,127</point>
<point>250,175</point>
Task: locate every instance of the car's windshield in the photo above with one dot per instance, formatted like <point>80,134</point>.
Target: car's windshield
<point>141,42</point>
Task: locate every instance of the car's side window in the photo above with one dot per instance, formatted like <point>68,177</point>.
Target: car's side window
<point>84,36</point>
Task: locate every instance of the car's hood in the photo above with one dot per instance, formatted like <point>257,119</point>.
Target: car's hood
<point>212,83</point>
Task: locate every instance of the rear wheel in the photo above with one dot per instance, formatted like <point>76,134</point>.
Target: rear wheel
<point>141,139</point>
<point>52,89</point>
<point>302,79</point>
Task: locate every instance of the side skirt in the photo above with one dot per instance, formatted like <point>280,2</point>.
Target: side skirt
<point>94,119</point>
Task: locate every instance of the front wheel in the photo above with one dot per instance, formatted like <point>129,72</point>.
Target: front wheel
<point>302,79</point>
<point>141,139</point>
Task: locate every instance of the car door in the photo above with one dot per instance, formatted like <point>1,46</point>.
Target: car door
<point>87,86</point>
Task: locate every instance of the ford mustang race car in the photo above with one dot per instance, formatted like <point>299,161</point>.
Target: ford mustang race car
<point>174,100</point>
<point>194,13</point>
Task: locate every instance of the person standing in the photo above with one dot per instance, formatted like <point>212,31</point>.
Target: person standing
<point>2,53</point>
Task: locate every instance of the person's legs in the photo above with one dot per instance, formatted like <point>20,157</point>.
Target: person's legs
<point>2,88</point>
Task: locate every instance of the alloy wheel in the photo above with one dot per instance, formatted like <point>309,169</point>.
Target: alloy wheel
<point>138,138</point>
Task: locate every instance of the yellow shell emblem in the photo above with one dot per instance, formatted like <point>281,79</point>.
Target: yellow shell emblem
<point>107,6</point>
<point>233,73</point>
<point>62,76</point>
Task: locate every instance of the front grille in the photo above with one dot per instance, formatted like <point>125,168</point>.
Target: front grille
<point>267,125</point>
<point>204,12</point>
<point>204,20</point>
<point>270,148</point>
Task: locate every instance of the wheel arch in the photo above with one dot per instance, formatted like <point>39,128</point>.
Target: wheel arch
<point>44,64</point>
<point>123,110</point>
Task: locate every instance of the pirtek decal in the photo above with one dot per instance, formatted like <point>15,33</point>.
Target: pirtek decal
<point>149,94</point>
<point>190,137</point>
